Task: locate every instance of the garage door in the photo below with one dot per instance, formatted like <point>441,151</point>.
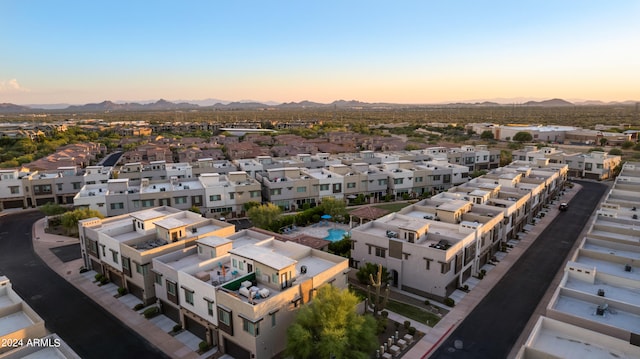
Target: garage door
<point>196,328</point>
<point>116,278</point>
<point>170,311</point>
<point>135,290</point>
<point>13,204</point>
<point>235,350</point>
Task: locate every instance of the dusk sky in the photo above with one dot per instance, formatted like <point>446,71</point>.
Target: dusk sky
<point>374,51</point>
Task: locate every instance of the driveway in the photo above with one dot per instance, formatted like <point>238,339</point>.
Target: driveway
<point>88,328</point>
<point>493,327</point>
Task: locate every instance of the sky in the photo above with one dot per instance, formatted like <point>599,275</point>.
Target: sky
<point>414,52</point>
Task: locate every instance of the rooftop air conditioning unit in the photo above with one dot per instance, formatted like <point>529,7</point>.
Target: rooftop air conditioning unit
<point>303,269</point>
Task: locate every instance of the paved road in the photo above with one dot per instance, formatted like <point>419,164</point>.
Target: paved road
<point>111,159</point>
<point>493,327</point>
<point>90,330</point>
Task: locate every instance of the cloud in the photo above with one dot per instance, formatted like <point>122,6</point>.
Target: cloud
<point>11,86</point>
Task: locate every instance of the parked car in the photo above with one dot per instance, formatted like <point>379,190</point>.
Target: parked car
<point>563,206</point>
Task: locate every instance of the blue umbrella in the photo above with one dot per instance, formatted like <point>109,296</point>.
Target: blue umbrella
<point>325,216</point>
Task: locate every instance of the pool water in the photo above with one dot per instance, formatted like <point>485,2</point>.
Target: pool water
<point>335,234</point>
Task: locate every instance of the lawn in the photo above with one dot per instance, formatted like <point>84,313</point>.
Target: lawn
<point>393,207</point>
<point>407,310</point>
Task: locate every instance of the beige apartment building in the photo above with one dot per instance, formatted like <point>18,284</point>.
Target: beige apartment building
<point>123,247</point>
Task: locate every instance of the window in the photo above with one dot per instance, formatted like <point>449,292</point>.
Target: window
<point>188,295</point>
<point>254,194</point>
<point>428,260</point>
<point>324,187</point>
<point>445,267</point>
<point>171,287</point>
<point>136,203</point>
<point>209,306</point>
<point>59,186</point>
<point>76,185</point>
<point>588,166</point>
<point>118,205</point>
<point>436,177</point>
<point>234,263</point>
<point>114,256</point>
<point>180,200</point>
<point>224,317</point>
<point>215,197</point>
<point>351,185</point>
<point>250,327</point>
<point>418,179</point>
<point>274,278</point>
<point>148,203</point>
<point>382,182</point>
<point>381,252</point>
<point>157,278</point>
<point>599,166</point>
<point>232,195</point>
<point>104,254</point>
<point>273,320</point>
<point>165,201</point>
<point>14,189</point>
<point>398,180</point>
<point>241,265</point>
<point>142,269</point>
<point>126,265</point>
<point>301,189</point>
<point>275,191</point>
<point>446,179</point>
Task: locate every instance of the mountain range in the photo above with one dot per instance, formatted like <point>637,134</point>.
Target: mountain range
<point>182,105</point>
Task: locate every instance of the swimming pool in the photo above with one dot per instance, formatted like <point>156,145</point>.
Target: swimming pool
<point>335,234</point>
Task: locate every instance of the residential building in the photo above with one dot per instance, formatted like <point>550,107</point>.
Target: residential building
<point>122,247</point>
<point>597,298</point>
<point>22,331</point>
<point>12,190</point>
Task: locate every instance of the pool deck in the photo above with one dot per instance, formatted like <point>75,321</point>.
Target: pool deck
<point>318,231</point>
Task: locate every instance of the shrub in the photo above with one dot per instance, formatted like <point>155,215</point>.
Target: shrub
<point>138,306</point>
<point>98,277</point>
<point>449,302</point>
<point>83,270</point>
<point>104,280</point>
<point>203,346</point>
<point>151,312</point>
<point>412,330</point>
<point>381,325</point>
<point>465,287</point>
<point>427,302</point>
<point>407,324</point>
<point>384,314</point>
<point>177,328</point>
<point>122,291</point>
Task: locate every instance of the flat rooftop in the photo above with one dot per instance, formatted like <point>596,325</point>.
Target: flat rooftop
<point>564,340</point>
<point>608,267</point>
<point>586,310</point>
<point>14,322</point>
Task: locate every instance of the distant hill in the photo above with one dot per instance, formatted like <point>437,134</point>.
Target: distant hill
<point>164,105</point>
<point>9,108</point>
<point>556,102</point>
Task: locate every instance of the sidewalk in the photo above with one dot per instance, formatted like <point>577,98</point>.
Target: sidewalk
<point>436,335</point>
<point>70,271</point>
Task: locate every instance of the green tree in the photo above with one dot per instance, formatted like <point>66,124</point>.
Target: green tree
<point>616,152</point>
<point>330,327</point>
<point>626,145</point>
<point>52,209</point>
<point>506,157</point>
<point>335,208</point>
<point>342,247</point>
<point>487,135</point>
<point>603,141</point>
<point>365,272</point>
<point>523,136</point>
<point>70,219</point>
<point>263,216</point>
<point>195,209</point>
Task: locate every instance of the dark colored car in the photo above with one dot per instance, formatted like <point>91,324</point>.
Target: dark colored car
<point>563,206</point>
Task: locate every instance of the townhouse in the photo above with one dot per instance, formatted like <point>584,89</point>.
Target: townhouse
<point>434,245</point>
<point>240,292</point>
<point>593,165</point>
<point>12,192</point>
<point>122,247</point>
<point>22,331</point>
<point>597,299</point>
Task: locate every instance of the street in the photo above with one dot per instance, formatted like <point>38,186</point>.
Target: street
<point>493,327</point>
<point>88,328</point>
